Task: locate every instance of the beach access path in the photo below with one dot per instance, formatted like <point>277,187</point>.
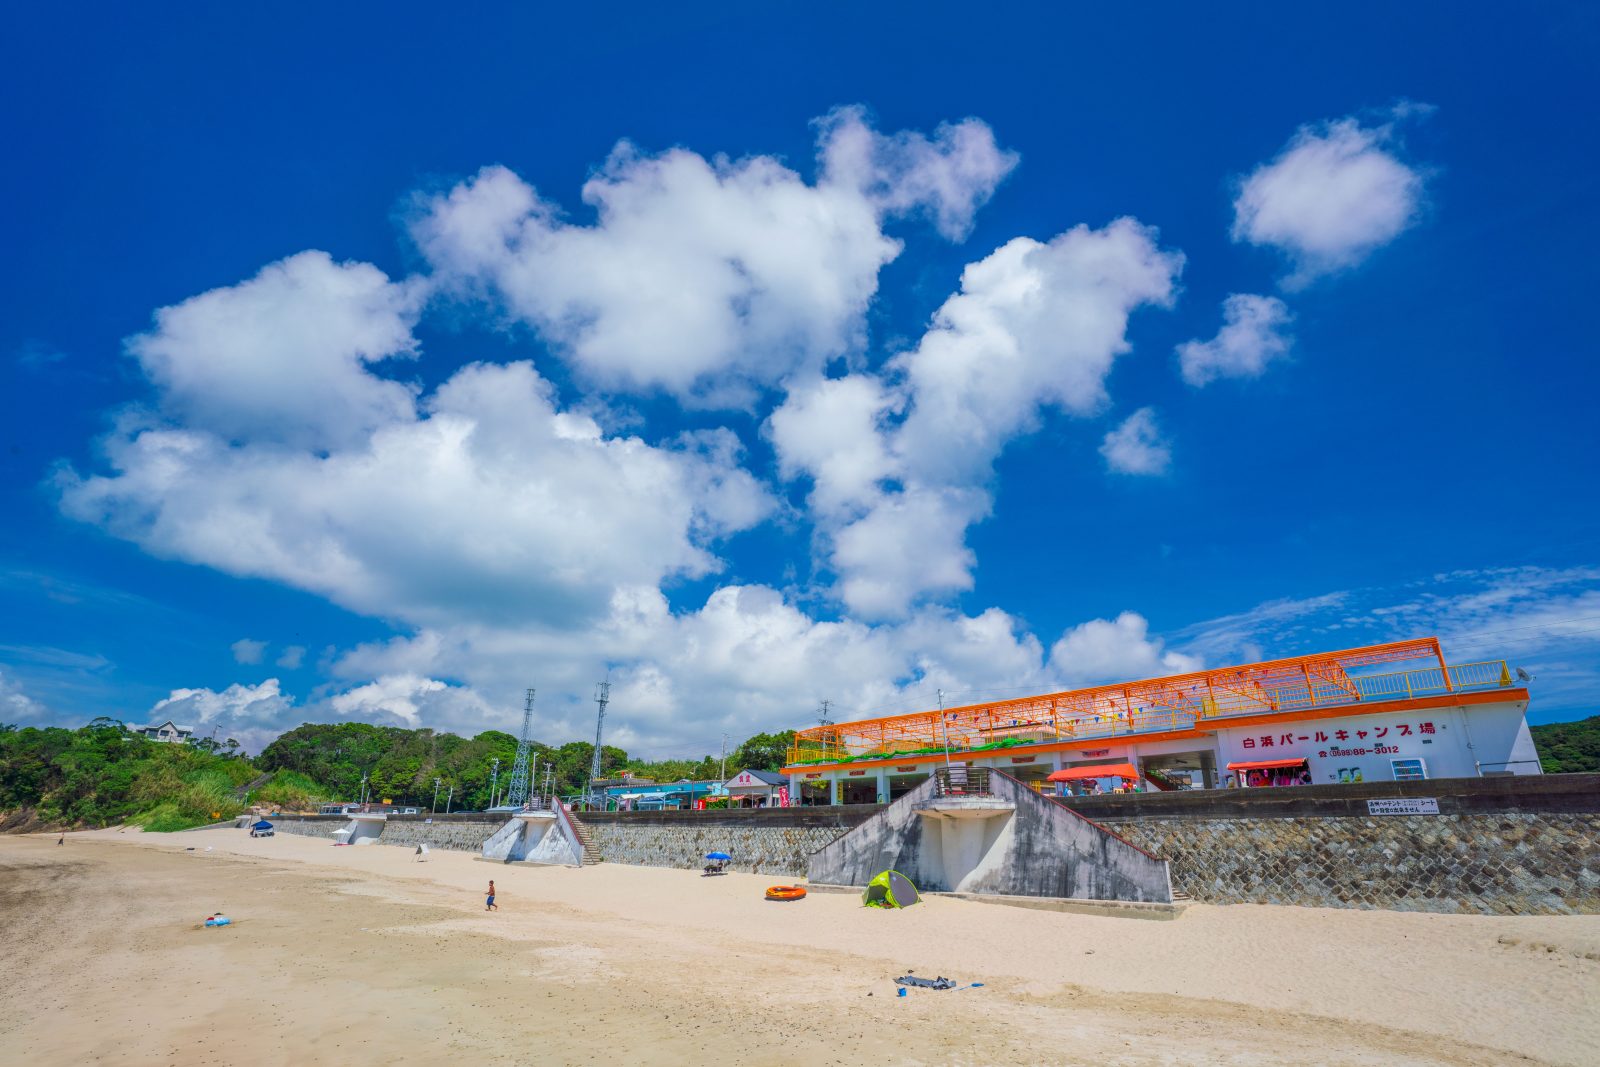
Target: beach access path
<point>344,955</point>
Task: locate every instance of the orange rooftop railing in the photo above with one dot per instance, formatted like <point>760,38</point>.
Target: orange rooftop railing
<point>1327,679</point>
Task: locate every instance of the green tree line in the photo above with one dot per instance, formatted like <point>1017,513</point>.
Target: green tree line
<point>402,765</point>
<point>103,775</point>
<point>1568,747</point>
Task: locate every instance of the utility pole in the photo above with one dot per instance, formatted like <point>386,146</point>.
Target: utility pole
<point>724,757</point>
<point>533,785</point>
<point>549,785</point>
<point>823,718</point>
<point>494,778</point>
<point>363,798</point>
<point>945,723</point>
<point>435,797</point>
<point>447,797</point>
<point>602,697</point>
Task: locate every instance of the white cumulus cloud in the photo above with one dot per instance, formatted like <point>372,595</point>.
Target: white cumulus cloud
<point>1116,650</point>
<point>1336,192</point>
<point>235,704</point>
<point>283,356</point>
<point>411,700</point>
<point>493,502</point>
<point>710,279</point>
<point>1254,333</point>
<point>1136,446</point>
<point>247,651</point>
<point>900,465</point>
<point>948,176</point>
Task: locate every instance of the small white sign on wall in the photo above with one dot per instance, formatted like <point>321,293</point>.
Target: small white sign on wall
<point>1404,806</point>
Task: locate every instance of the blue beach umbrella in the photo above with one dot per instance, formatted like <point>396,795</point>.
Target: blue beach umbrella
<point>718,856</point>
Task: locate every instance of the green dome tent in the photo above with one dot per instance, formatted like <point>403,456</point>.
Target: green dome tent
<point>890,889</point>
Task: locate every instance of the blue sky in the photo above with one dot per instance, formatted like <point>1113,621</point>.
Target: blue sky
<point>769,357</point>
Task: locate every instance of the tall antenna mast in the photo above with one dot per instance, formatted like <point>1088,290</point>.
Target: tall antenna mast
<point>519,792</point>
<point>823,718</point>
<point>602,697</point>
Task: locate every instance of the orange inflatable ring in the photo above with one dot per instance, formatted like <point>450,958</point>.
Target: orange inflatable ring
<point>785,892</point>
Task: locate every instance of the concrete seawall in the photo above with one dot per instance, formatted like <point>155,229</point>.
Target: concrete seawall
<point>1499,846</point>
<point>776,841</point>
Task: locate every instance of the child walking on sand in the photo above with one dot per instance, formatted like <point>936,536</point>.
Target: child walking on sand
<point>489,905</point>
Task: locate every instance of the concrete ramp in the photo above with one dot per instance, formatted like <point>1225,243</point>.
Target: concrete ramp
<point>363,830</point>
<point>987,833</point>
<point>534,837</point>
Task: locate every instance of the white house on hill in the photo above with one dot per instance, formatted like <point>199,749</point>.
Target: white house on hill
<point>164,731</point>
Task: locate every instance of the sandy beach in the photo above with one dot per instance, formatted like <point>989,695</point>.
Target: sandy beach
<point>362,955</point>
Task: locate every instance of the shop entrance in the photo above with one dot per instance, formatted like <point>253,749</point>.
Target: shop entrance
<point>1032,775</point>
<point>1180,770</point>
<point>901,784</point>
<point>860,790</point>
<point>1266,773</point>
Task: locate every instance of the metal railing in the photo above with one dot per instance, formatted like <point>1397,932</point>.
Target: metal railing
<point>1185,707</point>
<point>960,780</point>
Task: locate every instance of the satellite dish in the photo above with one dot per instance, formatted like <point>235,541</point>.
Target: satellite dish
<point>1523,676</point>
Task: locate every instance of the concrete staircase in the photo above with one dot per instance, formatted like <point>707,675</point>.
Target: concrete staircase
<point>1162,781</point>
<point>244,791</point>
<point>591,854</point>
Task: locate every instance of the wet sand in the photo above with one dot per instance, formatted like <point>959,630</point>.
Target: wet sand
<point>361,955</point>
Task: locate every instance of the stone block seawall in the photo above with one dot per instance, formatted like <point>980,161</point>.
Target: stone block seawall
<point>774,841</point>
<point>308,825</point>
<point>461,833</point>
<point>458,833</point>
<point>1500,846</point>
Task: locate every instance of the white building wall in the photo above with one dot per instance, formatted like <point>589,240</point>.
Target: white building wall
<point>1451,742</point>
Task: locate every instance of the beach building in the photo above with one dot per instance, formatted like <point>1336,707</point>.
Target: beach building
<point>164,731</point>
<point>757,789</point>
<point>1390,712</point>
<point>641,794</point>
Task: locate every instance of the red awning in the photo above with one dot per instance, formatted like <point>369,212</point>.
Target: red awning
<point>1264,764</point>
<point>1104,770</point>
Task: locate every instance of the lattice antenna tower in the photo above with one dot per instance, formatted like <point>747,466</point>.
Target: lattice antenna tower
<point>602,697</point>
<point>521,789</point>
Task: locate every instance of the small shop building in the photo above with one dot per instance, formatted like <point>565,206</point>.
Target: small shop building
<point>757,789</point>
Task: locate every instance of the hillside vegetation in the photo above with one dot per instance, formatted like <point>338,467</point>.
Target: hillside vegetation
<point>1568,747</point>
<point>103,775</point>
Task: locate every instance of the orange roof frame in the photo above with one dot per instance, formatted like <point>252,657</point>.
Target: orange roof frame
<point>1256,688</point>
